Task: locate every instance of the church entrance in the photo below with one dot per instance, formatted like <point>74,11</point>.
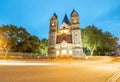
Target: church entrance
<point>64,53</point>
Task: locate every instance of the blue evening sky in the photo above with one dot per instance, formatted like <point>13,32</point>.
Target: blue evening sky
<point>34,15</point>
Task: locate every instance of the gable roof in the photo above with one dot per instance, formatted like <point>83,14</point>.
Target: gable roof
<point>63,25</point>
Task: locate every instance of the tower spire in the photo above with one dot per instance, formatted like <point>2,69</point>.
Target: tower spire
<point>54,16</point>
<point>66,20</point>
<point>74,11</point>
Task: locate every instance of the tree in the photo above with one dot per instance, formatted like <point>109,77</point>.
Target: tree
<point>42,47</point>
<point>8,37</point>
<point>95,39</point>
<point>34,42</point>
<point>108,44</point>
<point>17,39</point>
<point>91,38</point>
<point>22,41</point>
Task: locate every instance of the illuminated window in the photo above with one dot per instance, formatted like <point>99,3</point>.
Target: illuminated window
<point>75,21</point>
<point>57,52</point>
<point>53,24</point>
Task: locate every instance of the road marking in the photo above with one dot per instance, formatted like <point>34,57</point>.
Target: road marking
<point>114,78</point>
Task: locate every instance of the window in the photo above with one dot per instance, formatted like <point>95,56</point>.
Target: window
<point>57,52</point>
<point>51,52</point>
<point>53,24</point>
<point>75,21</point>
<point>51,36</point>
<point>77,52</point>
<point>63,27</point>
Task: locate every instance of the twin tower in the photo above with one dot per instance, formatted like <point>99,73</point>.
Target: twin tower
<point>65,41</point>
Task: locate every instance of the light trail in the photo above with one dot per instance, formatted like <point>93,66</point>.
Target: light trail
<point>22,63</point>
<point>19,62</point>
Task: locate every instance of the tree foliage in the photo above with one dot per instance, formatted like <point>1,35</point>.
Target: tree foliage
<point>42,47</point>
<point>95,39</point>
<point>108,44</point>
<point>91,38</point>
<point>8,34</point>
<point>17,39</point>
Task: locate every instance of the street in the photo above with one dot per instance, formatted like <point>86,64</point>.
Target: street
<point>65,72</point>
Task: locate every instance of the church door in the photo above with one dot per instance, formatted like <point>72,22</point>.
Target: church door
<point>64,53</point>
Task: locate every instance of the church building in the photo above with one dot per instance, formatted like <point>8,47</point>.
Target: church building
<point>65,41</point>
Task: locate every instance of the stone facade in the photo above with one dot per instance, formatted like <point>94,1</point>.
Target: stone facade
<point>65,41</point>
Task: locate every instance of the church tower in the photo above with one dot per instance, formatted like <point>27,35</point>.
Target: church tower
<point>76,35</point>
<point>65,41</point>
<point>52,35</point>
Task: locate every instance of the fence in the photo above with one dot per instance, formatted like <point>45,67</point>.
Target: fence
<point>22,55</point>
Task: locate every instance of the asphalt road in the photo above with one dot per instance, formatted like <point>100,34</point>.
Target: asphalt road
<point>80,72</point>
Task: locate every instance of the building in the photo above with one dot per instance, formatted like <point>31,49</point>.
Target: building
<point>65,41</point>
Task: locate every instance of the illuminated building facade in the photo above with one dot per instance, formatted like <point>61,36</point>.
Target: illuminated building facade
<point>65,41</point>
